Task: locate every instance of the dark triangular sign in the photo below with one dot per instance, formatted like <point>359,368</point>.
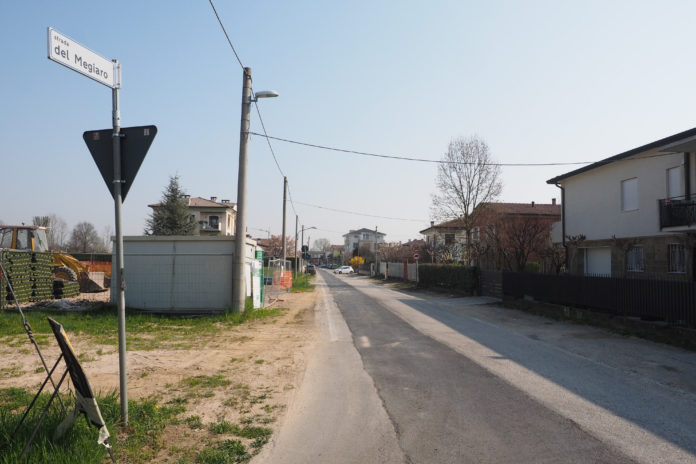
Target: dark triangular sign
<point>135,142</point>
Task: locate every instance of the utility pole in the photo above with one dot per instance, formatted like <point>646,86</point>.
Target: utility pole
<point>238,287</point>
<point>376,261</point>
<point>295,255</point>
<point>285,245</point>
<point>301,247</point>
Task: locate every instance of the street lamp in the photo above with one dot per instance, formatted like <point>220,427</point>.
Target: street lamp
<point>238,287</point>
<point>302,240</point>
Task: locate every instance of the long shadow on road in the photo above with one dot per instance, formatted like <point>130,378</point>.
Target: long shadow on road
<point>665,411</point>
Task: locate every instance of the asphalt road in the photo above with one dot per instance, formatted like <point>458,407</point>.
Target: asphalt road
<point>420,378</point>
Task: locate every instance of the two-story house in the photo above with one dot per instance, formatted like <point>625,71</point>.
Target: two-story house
<point>361,238</point>
<point>633,214</point>
<point>503,235</point>
<point>211,217</point>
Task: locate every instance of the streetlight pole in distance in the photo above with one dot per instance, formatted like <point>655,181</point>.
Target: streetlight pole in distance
<point>285,245</point>
<point>297,218</point>
<point>238,286</point>
<point>302,241</point>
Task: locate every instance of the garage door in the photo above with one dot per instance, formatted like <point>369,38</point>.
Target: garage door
<point>598,261</point>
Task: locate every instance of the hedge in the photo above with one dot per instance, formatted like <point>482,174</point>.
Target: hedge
<point>450,276</point>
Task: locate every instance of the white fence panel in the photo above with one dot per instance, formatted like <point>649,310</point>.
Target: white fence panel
<point>396,270</point>
<point>413,272</point>
<point>180,273</point>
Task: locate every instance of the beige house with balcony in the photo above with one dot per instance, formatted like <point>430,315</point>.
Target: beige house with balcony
<point>636,211</point>
<point>211,217</point>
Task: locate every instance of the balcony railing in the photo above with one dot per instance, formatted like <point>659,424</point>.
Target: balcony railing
<point>678,211</point>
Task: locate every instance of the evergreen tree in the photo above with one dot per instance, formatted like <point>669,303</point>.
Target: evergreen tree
<point>172,216</point>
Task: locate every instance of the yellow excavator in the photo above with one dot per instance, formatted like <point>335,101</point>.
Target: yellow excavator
<point>65,266</point>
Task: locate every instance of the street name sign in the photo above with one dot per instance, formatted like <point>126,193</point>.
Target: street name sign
<point>135,142</point>
<point>64,50</point>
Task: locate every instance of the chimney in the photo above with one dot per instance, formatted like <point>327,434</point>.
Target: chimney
<point>432,223</point>
<point>532,204</point>
<point>213,198</point>
<point>227,201</point>
<point>553,201</point>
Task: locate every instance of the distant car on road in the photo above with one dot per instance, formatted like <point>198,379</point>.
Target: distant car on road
<point>344,270</point>
<point>311,269</point>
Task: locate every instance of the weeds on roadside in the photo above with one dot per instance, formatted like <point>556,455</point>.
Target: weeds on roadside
<point>139,442</point>
<point>302,283</point>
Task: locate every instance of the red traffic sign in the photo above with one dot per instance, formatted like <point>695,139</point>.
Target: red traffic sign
<point>135,142</point>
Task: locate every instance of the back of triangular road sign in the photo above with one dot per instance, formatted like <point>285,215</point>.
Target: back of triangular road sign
<point>135,142</point>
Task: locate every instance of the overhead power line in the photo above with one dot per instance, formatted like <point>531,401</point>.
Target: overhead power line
<point>361,214</point>
<point>408,158</point>
<point>229,41</point>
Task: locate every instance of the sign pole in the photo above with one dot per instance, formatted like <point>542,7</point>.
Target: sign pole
<point>119,281</point>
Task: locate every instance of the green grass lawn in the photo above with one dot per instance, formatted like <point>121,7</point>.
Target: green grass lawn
<point>144,331</point>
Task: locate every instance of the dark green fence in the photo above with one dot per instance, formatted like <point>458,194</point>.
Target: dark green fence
<point>450,276</point>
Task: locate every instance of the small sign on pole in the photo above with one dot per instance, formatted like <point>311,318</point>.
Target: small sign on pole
<point>66,51</point>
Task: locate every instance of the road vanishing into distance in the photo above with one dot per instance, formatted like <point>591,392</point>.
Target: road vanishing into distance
<point>413,377</point>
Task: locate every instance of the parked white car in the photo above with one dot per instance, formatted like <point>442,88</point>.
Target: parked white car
<point>344,270</point>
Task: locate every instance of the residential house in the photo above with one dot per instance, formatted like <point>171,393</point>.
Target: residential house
<point>448,233</point>
<point>504,236</point>
<point>633,214</point>
<point>211,217</point>
<point>361,238</point>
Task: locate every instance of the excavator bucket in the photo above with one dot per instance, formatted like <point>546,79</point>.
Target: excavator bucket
<point>88,285</point>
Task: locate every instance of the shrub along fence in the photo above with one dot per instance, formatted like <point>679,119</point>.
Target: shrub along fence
<point>671,301</point>
<point>449,276</point>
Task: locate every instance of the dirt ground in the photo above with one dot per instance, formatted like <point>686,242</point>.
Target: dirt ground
<point>247,373</point>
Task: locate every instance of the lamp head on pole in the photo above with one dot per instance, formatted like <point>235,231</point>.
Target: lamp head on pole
<point>264,94</point>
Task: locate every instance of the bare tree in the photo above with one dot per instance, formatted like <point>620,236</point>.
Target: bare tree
<point>85,239</point>
<point>57,230</point>
<point>391,252</point>
<point>525,237</point>
<point>321,244</point>
<point>275,246</point>
<point>107,233</point>
<point>466,178</point>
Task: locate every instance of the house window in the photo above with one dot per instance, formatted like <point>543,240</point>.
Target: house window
<point>676,260</point>
<point>629,194</point>
<point>449,239</point>
<point>214,222</point>
<point>355,245</point>
<point>675,184</point>
<point>476,234</point>
<point>366,236</point>
<point>635,260</point>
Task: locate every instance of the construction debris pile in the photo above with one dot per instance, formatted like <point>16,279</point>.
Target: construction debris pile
<point>29,275</point>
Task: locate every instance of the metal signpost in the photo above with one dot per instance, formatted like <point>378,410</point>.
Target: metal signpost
<point>67,52</point>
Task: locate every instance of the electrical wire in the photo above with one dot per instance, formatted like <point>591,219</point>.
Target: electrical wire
<point>258,111</point>
<point>226,34</point>
<point>408,158</point>
<point>360,214</point>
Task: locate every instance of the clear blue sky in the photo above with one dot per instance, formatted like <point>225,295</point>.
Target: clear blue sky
<point>540,81</point>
